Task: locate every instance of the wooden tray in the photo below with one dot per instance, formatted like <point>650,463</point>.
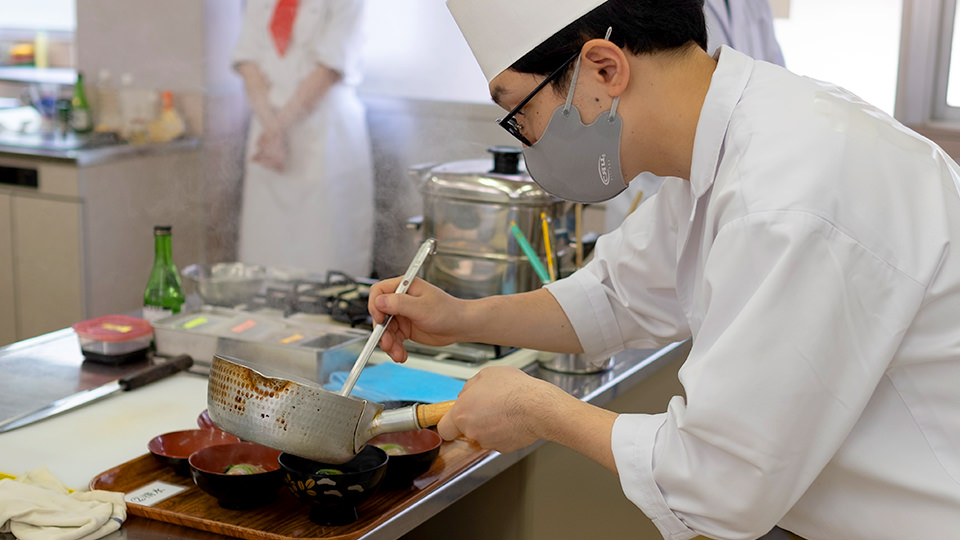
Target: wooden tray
<point>285,517</point>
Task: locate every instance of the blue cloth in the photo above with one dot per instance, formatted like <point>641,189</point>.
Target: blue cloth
<point>394,382</point>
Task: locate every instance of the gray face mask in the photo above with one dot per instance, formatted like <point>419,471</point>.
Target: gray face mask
<point>578,162</point>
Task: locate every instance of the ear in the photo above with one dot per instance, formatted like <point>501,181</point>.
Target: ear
<point>607,65</point>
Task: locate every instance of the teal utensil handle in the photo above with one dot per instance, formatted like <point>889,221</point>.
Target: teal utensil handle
<point>530,253</point>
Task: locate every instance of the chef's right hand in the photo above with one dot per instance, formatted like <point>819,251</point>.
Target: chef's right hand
<point>424,314</point>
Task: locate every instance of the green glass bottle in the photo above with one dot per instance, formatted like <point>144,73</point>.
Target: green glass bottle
<point>81,120</point>
<point>164,294</point>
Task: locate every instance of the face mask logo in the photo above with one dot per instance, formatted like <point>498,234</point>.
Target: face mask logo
<point>604,170</point>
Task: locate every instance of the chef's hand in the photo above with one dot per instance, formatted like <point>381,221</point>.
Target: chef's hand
<point>498,408</point>
<point>272,150</point>
<point>424,314</point>
<point>504,409</point>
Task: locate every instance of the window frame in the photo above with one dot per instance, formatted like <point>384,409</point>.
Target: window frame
<point>923,73</point>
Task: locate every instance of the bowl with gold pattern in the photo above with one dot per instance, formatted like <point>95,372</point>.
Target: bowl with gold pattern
<point>333,491</point>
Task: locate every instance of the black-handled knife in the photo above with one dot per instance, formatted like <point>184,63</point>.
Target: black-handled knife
<point>130,382</point>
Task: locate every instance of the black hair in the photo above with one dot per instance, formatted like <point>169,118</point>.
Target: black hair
<point>640,26</point>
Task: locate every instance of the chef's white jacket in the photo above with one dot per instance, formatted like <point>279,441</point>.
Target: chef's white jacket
<point>814,257</point>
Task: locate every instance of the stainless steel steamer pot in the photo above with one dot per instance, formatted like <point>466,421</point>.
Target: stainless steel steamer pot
<point>468,206</point>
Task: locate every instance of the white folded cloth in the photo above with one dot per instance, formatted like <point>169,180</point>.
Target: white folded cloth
<point>37,506</point>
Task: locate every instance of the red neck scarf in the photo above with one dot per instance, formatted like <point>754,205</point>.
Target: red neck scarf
<point>281,24</point>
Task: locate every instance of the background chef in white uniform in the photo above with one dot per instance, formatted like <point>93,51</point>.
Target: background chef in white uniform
<point>308,183</point>
<point>806,241</point>
<point>744,25</point>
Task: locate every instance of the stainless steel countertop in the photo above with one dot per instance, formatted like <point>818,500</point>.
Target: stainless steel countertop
<point>59,351</point>
<point>72,151</point>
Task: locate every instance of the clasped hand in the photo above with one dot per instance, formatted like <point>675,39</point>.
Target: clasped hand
<point>272,150</point>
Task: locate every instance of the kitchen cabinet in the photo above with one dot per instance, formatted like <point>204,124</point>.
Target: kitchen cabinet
<point>47,263</point>
<point>8,326</point>
<point>41,269</point>
<point>78,242</point>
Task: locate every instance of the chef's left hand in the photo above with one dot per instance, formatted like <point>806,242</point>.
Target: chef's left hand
<point>498,408</point>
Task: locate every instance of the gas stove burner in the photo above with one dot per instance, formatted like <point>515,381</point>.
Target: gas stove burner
<point>351,308</point>
<point>338,295</point>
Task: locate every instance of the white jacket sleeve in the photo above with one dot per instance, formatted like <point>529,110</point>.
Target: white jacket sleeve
<point>799,324</point>
<point>625,298</point>
<point>253,40</point>
<point>336,42</point>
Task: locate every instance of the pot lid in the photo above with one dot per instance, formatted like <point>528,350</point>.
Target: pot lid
<point>501,180</point>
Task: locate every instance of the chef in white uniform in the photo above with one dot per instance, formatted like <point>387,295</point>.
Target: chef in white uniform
<point>744,25</point>
<point>807,242</point>
<point>308,183</point>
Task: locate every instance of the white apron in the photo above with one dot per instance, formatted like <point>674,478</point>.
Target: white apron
<point>317,214</point>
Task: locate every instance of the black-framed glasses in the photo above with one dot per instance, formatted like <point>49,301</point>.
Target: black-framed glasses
<point>509,122</point>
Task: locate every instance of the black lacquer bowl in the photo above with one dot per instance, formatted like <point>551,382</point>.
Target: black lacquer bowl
<point>251,489</point>
<point>334,491</point>
<point>412,453</point>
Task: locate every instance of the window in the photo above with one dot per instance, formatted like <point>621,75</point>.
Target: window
<point>953,69</point>
<point>850,43</point>
<point>928,92</point>
<point>56,15</point>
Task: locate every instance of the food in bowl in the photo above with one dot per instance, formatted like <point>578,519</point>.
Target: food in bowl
<point>244,468</point>
<point>392,449</point>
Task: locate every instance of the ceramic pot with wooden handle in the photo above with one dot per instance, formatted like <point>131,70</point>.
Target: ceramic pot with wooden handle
<point>299,416</point>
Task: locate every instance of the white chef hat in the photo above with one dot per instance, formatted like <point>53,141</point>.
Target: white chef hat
<point>500,32</point>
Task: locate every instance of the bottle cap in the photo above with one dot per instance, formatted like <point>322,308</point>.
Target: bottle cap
<point>162,229</point>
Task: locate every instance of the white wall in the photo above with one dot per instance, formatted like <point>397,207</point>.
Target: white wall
<point>415,50</point>
<point>427,101</point>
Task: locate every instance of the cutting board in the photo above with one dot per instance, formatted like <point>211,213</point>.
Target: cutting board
<point>78,444</point>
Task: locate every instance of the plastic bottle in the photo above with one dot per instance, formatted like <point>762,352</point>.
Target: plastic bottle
<point>169,125</point>
<point>108,105</point>
<point>80,118</point>
<point>40,47</point>
<point>164,293</point>
<point>136,109</point>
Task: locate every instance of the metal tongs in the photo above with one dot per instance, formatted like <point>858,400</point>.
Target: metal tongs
<point>427,248</point>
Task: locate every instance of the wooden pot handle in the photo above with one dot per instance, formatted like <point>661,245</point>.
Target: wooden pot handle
<point>430,415</point>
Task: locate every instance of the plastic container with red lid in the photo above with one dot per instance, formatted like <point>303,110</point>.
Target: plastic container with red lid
<point>114,338</point>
